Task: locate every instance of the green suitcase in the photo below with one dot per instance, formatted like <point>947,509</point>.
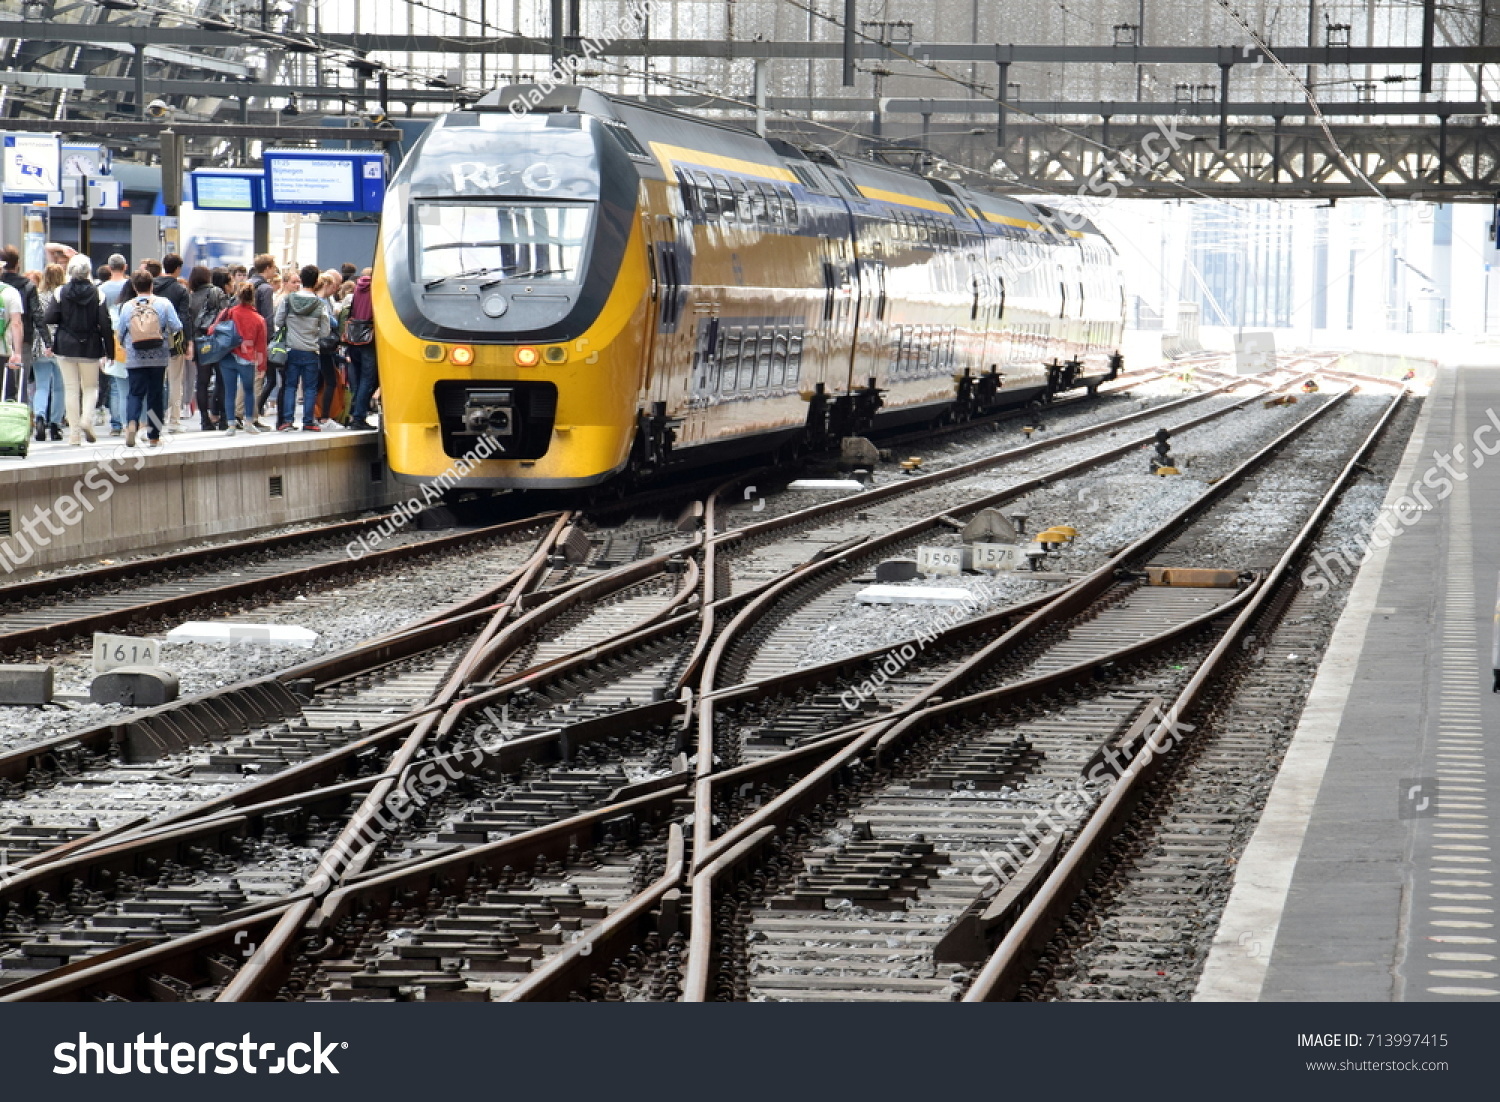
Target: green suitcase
<point>15,417</point>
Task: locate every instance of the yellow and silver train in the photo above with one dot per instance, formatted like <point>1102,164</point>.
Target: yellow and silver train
<point>602,288</point>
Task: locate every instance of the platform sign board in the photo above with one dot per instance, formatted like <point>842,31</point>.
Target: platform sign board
<point>311,180</point>
<point>32,168</point>
<point>940,560</point>
<point>113,651</point>
<point>224,189</point>
<point>995,556</point>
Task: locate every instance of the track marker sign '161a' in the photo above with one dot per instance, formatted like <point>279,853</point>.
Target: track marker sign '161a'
<point>940,560</point>
<point>995,556</point>
<point>111,651</point>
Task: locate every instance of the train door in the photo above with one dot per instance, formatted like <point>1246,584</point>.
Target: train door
<point>669,274</point>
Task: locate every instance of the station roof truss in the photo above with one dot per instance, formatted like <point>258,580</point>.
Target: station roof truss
<point>89,68</point>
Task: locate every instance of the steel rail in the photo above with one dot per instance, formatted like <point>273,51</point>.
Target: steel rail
<point>1007,968</point>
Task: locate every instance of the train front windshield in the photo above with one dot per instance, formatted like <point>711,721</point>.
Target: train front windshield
<point>502,241</point>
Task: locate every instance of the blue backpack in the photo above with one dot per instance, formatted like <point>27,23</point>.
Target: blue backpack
<point>221,339</point>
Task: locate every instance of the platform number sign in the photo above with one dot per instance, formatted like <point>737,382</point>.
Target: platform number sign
<point>113,651</point>
<point>940,560</point>
<point>996,556</point>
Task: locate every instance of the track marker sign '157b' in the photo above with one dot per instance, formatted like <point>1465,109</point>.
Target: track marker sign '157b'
<point>940,560</point>
<point>112,651</point>
<point>995,556</point>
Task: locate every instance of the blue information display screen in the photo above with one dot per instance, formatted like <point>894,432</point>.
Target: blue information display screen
<point>216,192</point>
<point>319,179</point>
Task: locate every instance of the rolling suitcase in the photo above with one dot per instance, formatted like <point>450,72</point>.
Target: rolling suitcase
<point>15,417</point>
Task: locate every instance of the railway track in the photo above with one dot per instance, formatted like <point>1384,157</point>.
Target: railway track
<point>574,847</point>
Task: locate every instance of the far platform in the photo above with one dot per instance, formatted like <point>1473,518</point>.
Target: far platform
<point>1371,875</point>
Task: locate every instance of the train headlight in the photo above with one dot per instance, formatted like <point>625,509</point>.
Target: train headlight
<point>527,356</point>
<point>556,354</point>
<point>462,355</point>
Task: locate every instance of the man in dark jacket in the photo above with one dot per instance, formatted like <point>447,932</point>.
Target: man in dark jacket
<point>82,336</point>
<point>170,287</point>
<point>263,270</point>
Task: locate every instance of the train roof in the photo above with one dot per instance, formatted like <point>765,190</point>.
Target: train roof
<point>772,156</point>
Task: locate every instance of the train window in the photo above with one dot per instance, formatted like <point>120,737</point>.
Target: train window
<point>509,240</point>
<point>689,196</point>
<point>628,140</point>
<point>771,197</point>
<point>708,198</point>
<point>764,358</point>
<point>789,210</point>
<point>778,359</point>
<point>748,353</point>
<point>729,358</point>
<point>759,208</point>
<point>726,197</point>
<point>743,211</point>
<point>794,359</point>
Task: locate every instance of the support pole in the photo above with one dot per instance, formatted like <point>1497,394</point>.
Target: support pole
<point>1004,90</point>
<point>1429,25</point>
<point>1224,70</point>
<point>851,13</point>
<point>760,96</point>
<point>139,72</point>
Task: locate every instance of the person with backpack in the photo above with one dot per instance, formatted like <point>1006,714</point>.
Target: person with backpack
<point>240,366</point>
<point>305,318</point>
<point>359,342</point>
<point>147,323</point>
<point>205,303</point>
<point>168,286</point>
<point>82,338</point>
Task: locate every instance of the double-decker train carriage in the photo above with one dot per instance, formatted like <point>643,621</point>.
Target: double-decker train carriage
<point>602,287</point>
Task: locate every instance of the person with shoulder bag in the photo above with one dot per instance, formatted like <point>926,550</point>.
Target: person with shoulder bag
<point>205,303</point>
<point>359,339</point>
<point>82,339</point>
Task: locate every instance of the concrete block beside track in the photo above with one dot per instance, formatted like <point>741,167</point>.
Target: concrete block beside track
<point>29,684</point>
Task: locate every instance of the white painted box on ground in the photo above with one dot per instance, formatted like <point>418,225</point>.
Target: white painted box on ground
<point>913,595</point>
<point>833,485</point>
<point>227,631</point>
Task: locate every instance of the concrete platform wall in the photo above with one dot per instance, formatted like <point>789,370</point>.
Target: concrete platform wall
<point>111,500</point>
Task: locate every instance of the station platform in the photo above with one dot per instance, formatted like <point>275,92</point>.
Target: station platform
<point>1370,877</point>
<point>63,503</point>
